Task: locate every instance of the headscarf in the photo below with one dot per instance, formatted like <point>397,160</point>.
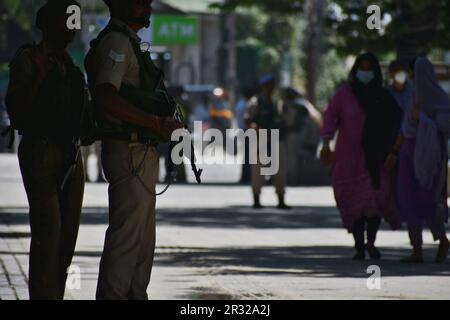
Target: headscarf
<point>383,116</point>
<point>432,132</point>
<point>428,95</point>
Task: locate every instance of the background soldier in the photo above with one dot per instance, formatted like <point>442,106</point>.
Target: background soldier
<point>45,99</point>
<point>118,72</point>
<point>262,113</point>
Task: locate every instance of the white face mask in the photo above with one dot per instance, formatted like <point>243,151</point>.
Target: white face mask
<point>400,77</point>
<point>365,76</point>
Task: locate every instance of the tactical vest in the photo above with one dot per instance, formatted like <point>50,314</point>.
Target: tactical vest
<point>266,114</point>
<point>151,96</point>
<point>57,107</point>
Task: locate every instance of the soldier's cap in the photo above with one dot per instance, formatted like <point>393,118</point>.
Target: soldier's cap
<point>267,79</point>
<point>115,4</point>
<point>110,2</point>
<point>51,9</point>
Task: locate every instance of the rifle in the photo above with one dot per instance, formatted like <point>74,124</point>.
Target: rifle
<point>179,116</point>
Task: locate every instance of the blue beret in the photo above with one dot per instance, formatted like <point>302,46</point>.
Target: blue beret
<point>266,79</point>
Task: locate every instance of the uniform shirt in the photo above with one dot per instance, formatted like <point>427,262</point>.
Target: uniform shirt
<point>23,72</point>
<point>261,111</point>
<point>265,114</point>
<point>114,60</point>
<point>23,69</point>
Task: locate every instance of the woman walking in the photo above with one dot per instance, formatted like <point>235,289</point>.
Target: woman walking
<point>422,193</point>
<point>367,120</point>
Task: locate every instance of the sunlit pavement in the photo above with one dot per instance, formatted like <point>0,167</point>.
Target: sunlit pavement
<point>212,245</point>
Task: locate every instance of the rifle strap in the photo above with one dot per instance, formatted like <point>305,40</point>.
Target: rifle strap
<point>135,173</point>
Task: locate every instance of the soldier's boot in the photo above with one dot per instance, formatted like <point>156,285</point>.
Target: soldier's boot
<point>256,203</point>
<point>281,203</point>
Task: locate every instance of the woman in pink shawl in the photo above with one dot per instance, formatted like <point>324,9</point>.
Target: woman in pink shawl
<point>422,193</point>
<point>367,120</point>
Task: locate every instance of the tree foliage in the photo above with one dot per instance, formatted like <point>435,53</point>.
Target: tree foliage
<point>409,27</point>
<point>262,38</point>
<point>19,12</point>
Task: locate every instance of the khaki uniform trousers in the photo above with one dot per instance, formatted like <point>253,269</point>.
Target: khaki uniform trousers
<point>279,179</point>
<point>132,171</point>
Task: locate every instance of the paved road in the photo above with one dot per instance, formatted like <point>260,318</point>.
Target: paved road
<point>211,245</point>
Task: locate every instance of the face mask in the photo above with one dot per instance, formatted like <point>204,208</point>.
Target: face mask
<point>400,77</point>
<point>365,76</point>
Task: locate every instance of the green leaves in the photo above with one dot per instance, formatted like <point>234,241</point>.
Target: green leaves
<point>414,26</point>
<point>279,6</point>
<point>20,12</point>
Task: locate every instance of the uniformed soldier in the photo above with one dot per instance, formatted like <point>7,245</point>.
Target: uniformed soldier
<point>45,99</point>
<point>262,113</point>
<point>127,88</point>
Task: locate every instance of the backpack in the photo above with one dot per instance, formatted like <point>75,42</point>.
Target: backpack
<point>57,106</point>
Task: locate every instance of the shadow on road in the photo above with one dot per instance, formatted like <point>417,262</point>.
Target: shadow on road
<point>229,217</point>
<point>14,235</point>
<point>246,217</point>
<point>304,217</point>
<point>311,261</point>
<point>308,261</point>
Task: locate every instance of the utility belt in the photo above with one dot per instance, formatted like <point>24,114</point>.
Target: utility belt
<point>63,141</point>
<point>133,137</point>
<point>29,135</point>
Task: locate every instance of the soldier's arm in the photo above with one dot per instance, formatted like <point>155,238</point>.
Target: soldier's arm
<point>107,98</point>
<point>114,56</point>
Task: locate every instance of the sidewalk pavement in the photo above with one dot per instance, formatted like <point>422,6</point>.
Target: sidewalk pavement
<point>212,245</point>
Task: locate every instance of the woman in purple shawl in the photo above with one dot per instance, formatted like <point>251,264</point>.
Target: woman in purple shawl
<point>422,194</point>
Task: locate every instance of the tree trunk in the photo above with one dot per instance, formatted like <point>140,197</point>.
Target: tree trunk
<point>313,47</point>
<point>232,58</point>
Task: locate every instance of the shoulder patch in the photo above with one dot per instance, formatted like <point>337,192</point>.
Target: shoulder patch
<point>117,57</point>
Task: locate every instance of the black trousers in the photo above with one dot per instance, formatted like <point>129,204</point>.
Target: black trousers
<point>359,228</point>
<point>54,213</point>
